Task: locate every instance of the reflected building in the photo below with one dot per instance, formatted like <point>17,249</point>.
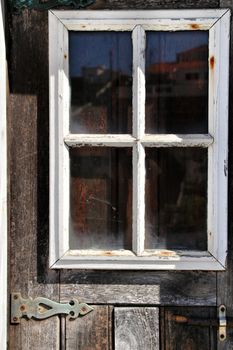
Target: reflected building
<point>176,180</point>
<point>101,99</point>
<point>177,93</point>
<point>176,183</point>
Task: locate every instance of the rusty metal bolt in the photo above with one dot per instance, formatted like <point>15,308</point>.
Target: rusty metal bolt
<point>15,297</point>
<point>22,308</point>
<point>83,309</point>
<point>15,319</point>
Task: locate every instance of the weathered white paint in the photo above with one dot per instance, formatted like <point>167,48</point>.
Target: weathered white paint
<point>139,174</point>
<point>150,20</point>
<point>3,187</point>
<point>192,14</point>
<point>128,25</point>
<point>78,140</point>
<point>218,127</point>
<point>148,140</point>
<point>217,22</point>
<point>139,94</point>
<point>179,261</point>
<point>175,140</point>
<point>59,121</point>
<point>139,97</point>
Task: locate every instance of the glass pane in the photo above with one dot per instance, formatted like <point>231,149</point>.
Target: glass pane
<point>176,198</point>
<point>101,82</point>
<point>101,198</point>
<point>177,82</point>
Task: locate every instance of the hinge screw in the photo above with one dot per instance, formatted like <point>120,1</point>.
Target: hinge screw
<point>22,308</point>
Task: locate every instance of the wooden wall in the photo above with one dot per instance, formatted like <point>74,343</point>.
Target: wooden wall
<point>116,295</point>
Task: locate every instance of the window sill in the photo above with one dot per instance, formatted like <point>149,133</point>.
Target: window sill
<point>126,260</point>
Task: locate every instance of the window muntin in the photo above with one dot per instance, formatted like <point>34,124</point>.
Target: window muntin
<point>215,23</point>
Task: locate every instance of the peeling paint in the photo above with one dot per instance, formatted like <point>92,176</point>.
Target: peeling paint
<point>225,168</point>
<point>212,62</point>
<point>166,253</point>
<point>194,26</point>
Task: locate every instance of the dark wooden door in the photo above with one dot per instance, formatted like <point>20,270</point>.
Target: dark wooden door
<point>132,310</point>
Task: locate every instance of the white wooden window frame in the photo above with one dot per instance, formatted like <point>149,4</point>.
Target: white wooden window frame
<point>217,23</point>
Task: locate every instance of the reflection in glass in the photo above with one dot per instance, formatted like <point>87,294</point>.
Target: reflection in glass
<point>176,198</point>
<point>101,198</point>
<point>101,82</point>
<point>177,82</point>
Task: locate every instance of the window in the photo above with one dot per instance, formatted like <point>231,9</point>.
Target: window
<point>138,141</point>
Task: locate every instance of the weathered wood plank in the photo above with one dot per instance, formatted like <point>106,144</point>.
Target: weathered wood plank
<point>225,279</point>
<point>136,328</point>
<point>135,287</point>
<point>28,170</point>
<point>32,334</point>
<point>180,336</point>
<point>153,4</point>
<point>3,185</point>
<point>28,147</point>
<point>24,266</point>
<point>90,332</point>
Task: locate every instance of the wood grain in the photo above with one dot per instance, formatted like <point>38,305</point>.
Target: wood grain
<point>153,4</point>
<point>136,328</point>
<point>180,336</point>
<point>135,287</point>
<point>28,169</point>
<point>3,184</point>
<point>28,124</point>
<point>32,334</point>
<point>91,332</point>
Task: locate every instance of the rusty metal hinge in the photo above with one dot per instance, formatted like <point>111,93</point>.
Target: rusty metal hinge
<point>41,308</point>
<point>222,322</point>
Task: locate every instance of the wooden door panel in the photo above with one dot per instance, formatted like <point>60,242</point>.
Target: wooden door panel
<point>29,218</point>
<point>36,335</point>
<point>29,274</point>
<point>91,332</point>
<point>135,287</point>
<point>28,175</point>
<point>136,328</point>
<point>179,336</point>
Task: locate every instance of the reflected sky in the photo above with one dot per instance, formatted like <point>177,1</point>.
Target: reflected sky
<point>163,49</point>
<point>103,45</point>
<point>92,49</point>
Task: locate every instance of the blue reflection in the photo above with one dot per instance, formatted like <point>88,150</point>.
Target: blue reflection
<point>164,46</point>
<point>106,49</point>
